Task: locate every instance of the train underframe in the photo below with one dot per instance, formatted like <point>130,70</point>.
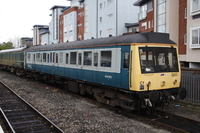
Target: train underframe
<point>128,100</point>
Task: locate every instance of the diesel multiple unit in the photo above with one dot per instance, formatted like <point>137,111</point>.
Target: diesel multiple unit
<point>129,71</point>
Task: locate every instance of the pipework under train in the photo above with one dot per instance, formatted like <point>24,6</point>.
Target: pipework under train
<point>130,71</point>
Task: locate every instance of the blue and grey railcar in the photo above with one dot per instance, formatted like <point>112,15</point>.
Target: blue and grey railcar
<point>128,71</point>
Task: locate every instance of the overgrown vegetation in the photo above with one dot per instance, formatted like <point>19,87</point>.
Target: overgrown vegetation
<point>6,45</point>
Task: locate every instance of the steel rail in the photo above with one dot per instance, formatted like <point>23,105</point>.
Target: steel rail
<point>32,107</point>
<point>8,122</point>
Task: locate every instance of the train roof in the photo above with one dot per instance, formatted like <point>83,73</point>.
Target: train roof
<point>147,37</point>
<point>13,50</point>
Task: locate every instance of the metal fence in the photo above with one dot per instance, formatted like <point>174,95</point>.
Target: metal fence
<point>191,81</point>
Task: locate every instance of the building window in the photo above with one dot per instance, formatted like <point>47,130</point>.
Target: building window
<point>149,24</point>
<point>195,37</point>
<point>101,6</point>
<point>149,6</point>
<point>144,24</point>
<point>109,15</point>
<point>143,12</point>
<point>161,16</point>
<point>185,12</point>
<point>109,31</point>
<point>100,33</point>
<point>100,19</point>
<point>195,7</point>
<point>185,39</point>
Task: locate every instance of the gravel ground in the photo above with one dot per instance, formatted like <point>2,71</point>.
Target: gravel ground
<point>76,115</point>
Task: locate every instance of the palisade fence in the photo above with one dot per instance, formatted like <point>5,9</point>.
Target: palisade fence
<point>191,81</point>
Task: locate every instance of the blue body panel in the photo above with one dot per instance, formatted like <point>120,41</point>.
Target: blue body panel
<point>119,80</point>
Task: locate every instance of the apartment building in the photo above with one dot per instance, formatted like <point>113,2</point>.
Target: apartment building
<point>54,27</point>
<point>37,30</point>
<point>193,34</point>
<point>26,41</point>
<point>159,16</point>
<point>104,17</point>
<point>179,18</point>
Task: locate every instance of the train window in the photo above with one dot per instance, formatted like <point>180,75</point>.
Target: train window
<point>73,58</point>
<point>37,57</point>
<point>96,59</point>
<point>61,57</point>
<point>87,58</point>
<point>44,57</point>
<point>47,58</point>
<point>51,58</point>
<point>33,57</point>
<point>126,57</point>
<point>40,57</point>
<point>56,57</point>
<point>106,58</point>
<point>79,58</point>
<point>158,59</point>
<point>29,57</point>
<point>67,58</point>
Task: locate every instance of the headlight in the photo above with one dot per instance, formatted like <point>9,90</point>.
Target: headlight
<point>141,85</point>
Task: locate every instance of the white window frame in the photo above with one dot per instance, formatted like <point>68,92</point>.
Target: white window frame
<point>194,12</point>
<point>197,45</point>
<point>185,39</point>
<point>186,13</point>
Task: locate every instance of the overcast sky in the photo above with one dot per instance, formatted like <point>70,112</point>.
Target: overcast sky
<point>17,17</point>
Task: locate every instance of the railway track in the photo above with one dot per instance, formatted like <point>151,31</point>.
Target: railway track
<point>161,120</point>
<point>19,116</point>
<point>170,122</point>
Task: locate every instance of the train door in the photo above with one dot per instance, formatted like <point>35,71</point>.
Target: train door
<point>125,67</point>
<point>80,63</point>
<point>55,65</point>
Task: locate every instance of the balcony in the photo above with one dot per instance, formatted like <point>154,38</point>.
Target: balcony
<point>142,15</point>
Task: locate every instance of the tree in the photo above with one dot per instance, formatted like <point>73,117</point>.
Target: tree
<point>6,45</point>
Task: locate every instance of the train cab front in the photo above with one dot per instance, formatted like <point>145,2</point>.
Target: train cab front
<point>157,78</point>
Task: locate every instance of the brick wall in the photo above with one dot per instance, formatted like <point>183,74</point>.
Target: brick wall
<point>80,24</point>
<point>61,28</point>
<point>182,26</point>
<point>149,21</point>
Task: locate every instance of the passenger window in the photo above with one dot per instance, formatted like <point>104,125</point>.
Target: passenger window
<point>51,58</point>
<point>61,57</point>
<point>44,57</point>
<point>29,57</point>
<point>56,57</point>
<point>37,57</point>
<point>47,58</point>
<point>33,57</point>
<point>126,57</point>
<point>79,58</point>
<point>106,57</point>
<point>73,58</point>
<point>67,58</point>
<point>96,59</point>
<point>87,58</point>
<point>41,57</point>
